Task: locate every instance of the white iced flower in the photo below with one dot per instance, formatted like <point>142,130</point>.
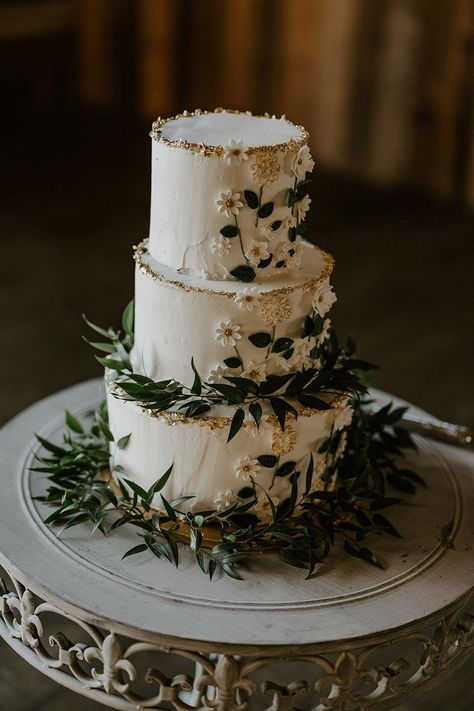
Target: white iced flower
<point>221,246</point>
<point>248,299</point>
<point>323,298</point>
<point>217,374</point>
<point>257,251</point>
<point>288,222</point>
<point>265,232</point>
<point>228,333</point>
<point>235,152</point>
<point>341,447</point>
<point>224,500</point>
<point>302,348</point>
<point>303,163</point>
<point>255,372</point>
<point>221,273</point>
<point>321,337</point>
<point>247,468</point>
<point>250,426</point>
<point>302,207</point>
<point>280,253</point>
<point>229,203</point>
<point>343,417</point>
<point>263,508</point>
<point>276,364</point>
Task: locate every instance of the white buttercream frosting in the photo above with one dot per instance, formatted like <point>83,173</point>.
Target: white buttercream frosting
<point>218,129</point>
<point>197,193</point>
<point>204,463</point>
<point>173,323</point>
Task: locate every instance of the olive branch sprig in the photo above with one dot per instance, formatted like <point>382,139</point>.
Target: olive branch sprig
<point>302,530</point>
<point>340,373</point>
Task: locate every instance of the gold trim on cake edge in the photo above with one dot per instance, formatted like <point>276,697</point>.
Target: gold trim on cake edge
<point>307,285</point>
<point>207,150</point>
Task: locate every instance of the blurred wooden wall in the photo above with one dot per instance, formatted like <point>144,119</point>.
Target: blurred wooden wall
<point>386,87</point>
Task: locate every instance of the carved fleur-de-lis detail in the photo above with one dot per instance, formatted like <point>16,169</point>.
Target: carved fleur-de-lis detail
<point>284,696</point>
<point>226,681</point>
<point>114,666</point>
<point>343,680</point>
<point>25,625</point>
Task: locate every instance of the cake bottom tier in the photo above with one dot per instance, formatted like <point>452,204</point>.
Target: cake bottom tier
<point>215,471</point>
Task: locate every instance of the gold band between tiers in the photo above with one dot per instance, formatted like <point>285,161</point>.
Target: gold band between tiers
<point>293,144</point>
<point>307,285</point>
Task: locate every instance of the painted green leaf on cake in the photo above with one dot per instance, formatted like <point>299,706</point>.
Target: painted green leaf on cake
<point>276,225</point>
<point>229,231</point>
<point>268,460</point>
<point>266,210</point>
<point>243,273</point>
<point>233,362</point>
<point>251,199</point>
<point>236,423</point>
<point>261,339</point>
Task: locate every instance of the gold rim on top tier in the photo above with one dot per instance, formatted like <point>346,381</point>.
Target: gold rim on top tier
<point>293,144</point>
<point>307,285</point>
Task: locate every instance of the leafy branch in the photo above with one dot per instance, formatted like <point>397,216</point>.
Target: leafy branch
<point>302,529</point>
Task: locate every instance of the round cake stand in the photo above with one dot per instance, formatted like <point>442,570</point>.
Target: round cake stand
<point>138,633</point>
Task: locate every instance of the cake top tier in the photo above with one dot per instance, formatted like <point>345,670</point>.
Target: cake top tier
<point>217,129</point>
<point>229,194</point>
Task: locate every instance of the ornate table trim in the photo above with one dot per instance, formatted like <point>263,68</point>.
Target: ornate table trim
<point>346,679</point>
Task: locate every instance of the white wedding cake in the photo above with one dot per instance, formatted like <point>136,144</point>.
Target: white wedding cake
<point>229,299</point>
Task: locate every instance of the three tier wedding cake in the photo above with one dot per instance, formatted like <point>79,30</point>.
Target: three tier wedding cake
<point>231,331</point>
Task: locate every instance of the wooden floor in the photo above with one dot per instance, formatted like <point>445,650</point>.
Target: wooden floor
<point>75,196</point>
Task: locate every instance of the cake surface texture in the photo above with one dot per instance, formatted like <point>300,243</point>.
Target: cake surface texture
<point>231,304</point>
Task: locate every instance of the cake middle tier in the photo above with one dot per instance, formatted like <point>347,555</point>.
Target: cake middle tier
<point>229,328</point>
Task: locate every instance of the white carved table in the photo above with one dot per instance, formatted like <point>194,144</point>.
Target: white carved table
<point>140,634</point>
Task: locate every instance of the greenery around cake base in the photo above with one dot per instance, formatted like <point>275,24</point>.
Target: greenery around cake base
<point>303,529</point>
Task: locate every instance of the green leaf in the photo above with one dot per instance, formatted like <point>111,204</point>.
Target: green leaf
<point>123,441</point>
<point>236,423</point>
<point>127,318</point>
<point>105,347</point>
<point>243,273</point>
<point>169,510</point>
<point>364,553</point>
<point>286,469</point>
<point>291,197</point>
<point>261,339</point>
<point>232,394</point>
<point>292,233</point>
<point>197,385</point>
<point>233,362</point>
<point>275,382</point>
<point>229,231</point>
<point>268,460</point>
<point>313,401</point>
<point>97,329</point>
<point>275,225</point>
<point>309,475</point>
<point>246,493</point>
<point>266,210</point>
<point>137,489</point>
<point>280,408</point>
<point>73,424</point>
<point>159,484</point>
<point>136,549</point>
<point>112,363</point>
<point>251,199</point>
<point>246,385</point>
<point>230,571</point>
<point>212,568</point>
<point>255,410</point>
<point>282,344</point>
<point>265,262</point>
